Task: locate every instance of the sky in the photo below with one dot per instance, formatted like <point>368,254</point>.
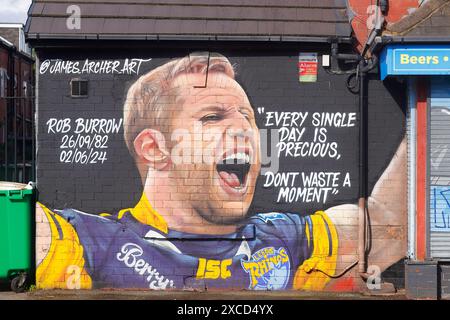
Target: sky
<point>14,11</point>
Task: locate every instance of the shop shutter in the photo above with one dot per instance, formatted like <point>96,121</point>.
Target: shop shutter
<point>439,166</point>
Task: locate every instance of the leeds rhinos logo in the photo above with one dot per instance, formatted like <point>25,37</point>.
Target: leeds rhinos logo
<point>271,216</point>
<point>269,269</point>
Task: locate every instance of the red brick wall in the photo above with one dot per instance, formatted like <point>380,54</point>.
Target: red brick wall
<point>362,11</point>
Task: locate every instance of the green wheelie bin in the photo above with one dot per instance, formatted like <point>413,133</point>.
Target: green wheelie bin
<point>16,232</point>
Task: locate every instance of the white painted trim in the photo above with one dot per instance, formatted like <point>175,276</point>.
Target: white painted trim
<point>412,131</point>
<point>8,43</point>
<point>11,25</point>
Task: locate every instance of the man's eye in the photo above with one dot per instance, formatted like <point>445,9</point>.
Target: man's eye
<point>247,116</point>
<point>211,117</point>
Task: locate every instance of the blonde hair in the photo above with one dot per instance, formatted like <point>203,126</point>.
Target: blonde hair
<point>151,93</point>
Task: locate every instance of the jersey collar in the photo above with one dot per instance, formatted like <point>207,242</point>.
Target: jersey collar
<point>145,214</point>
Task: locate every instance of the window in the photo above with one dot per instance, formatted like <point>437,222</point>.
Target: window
<point>78,88</point>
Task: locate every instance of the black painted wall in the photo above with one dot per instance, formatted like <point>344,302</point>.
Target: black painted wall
<point>270,78</point>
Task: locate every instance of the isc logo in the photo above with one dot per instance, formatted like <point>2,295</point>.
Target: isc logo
<point>213,269</point>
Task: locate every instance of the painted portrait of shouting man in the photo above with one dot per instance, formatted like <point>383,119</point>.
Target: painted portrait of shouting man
<point>197,147</point>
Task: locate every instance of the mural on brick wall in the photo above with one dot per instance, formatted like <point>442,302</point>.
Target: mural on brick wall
<point>242,177</point>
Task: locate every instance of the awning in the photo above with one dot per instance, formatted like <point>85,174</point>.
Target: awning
<point>415,59</point>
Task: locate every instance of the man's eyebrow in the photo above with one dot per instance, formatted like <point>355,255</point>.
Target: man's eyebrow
<point>223,108</point>
<point>210,108</point>
<point>213,107</point>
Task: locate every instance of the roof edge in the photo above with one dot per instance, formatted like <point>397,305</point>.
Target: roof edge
<point>13,25</point>
<point>11,47</point>
<point>174,37</point>
<point>385,40</point>
<point>6,42</point>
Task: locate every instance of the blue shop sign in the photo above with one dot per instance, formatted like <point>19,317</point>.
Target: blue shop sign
<point>400,59</point>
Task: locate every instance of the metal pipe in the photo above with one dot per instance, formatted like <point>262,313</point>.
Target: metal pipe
<point>23,102</point>
<point>10,105</point>
<point>348,56</point>
<point>364,68</point>
<point>412,127</point>
<point>16,85</point>
<point>34,104</point>
<point>362,171</point>
<point>7,104</point>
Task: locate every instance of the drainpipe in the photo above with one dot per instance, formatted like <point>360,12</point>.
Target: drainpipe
<point>10,105</point>
<point>364,68</point>
<point>362,203</point>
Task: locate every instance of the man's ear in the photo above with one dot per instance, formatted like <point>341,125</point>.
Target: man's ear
<point>150,148</point>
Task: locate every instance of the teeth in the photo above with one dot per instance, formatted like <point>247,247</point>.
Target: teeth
<point>238,156</point>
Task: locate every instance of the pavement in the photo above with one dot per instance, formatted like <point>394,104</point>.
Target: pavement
<point>113,294</point>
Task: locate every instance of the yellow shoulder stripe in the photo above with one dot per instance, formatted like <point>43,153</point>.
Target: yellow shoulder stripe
<point>63,267</point>
<point>104,214</point>
<point>308,235</point>
<point>324,255</point>
<point>146,214</point>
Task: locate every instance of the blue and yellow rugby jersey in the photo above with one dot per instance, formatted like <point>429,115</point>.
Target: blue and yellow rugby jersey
<point>135,249</point>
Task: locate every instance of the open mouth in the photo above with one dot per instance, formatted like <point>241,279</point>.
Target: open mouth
<point>233,170</point>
